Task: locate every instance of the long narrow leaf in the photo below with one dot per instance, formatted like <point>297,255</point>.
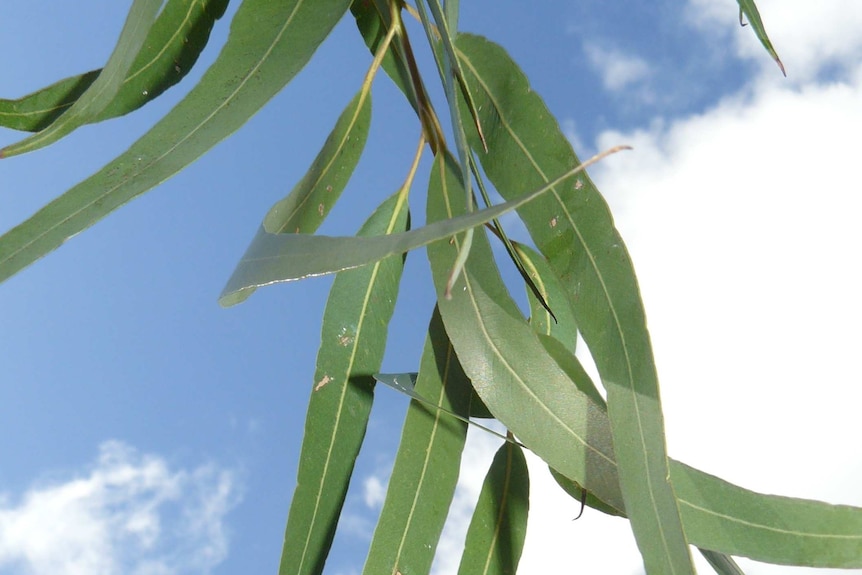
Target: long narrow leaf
<point>497,530</point>
<point>426,468</point>
<point>171,49</point>
<point>269,43</point>
<point>104,88</point>
<point>311,200</point>
<point>749,9</point>
<point>509,367</point>
<point>353,339</point>
<point>572,227</point>
<point>273,258</point>
<point>528,392</point>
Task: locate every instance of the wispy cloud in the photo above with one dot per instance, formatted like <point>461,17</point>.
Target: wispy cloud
<point>617,69</point>
<point>128,513</point>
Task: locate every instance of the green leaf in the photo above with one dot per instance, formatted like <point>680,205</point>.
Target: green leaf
<point>530,394</point>
<point>749,9</point>
<point>273,258</point>
<point>722,564</point>
<point>311,200</point>
<point>496,534</point>
<point>104,88</point>
<point>508,365</point>
<point>573,228</point>
<point>563,327</point>
<point>268,44</point>
<point>171,49</point>
<point>426,468</point>
<point>353,339</point>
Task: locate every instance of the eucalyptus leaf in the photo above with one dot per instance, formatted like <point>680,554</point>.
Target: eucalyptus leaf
<point>529,393</point>
<point>749,9</point>
<point>574,230</point>
<point>353,339</point>
<point>172,47</point>
<point>314,196</point>
<point>269,43</point>
<point>104,88</point>
<point>426,467</point>
<point>495,537</point>
<point>273,258</point>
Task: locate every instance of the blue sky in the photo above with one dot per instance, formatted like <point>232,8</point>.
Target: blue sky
<point>132,403</point>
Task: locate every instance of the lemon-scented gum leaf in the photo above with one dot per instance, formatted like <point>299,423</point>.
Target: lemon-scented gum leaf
<point>353,339</point>
<point>269,43</point>
<point>495,537</point>
<point>573,228</point>
<point>172,47</point>
<point>426,467</point>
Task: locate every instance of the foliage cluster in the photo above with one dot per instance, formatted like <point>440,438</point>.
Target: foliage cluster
<point>482,358</point>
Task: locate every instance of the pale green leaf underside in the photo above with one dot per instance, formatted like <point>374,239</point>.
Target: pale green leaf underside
<point>273,258</point>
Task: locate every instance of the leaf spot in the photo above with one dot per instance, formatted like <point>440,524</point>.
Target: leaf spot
<point>553,222</point>
<point>579,183</point>
<point>346,336</point>
<point>320,209</point>
<point>326,379</point>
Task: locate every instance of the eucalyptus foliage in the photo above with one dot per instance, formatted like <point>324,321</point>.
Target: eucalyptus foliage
<point>482,357</point>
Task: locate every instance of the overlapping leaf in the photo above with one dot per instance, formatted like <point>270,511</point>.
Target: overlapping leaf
<point>498,527</point>
<point>311,200</point>
<point>268,44</point>
<point>572,227</point>
<point>534,397</point>
<point>353,340</point>
<point>426,468</point>
<point>273,258</point>
<point>172,47</point>
<point>104,88</point>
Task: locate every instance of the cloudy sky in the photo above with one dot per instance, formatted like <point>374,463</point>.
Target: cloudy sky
<point>148,431</point>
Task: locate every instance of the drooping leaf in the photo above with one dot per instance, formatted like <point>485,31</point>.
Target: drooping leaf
<point>508,365</point>
<point>104,88</point>
<point>273,258</point>
<point>171,49</point>
<point>573,228</point>
<point>749,9</point>
<point>268,44</point>
<point>495,537</point>
<point>534,397</point>
<point>426,468</point>
<point>311,200</point>
<point>353,339</point>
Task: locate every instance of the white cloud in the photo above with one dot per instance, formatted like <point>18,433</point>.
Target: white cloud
<point>374,490</point>
<point>130,513</point>
<point>617,69</point>
<point>743,223</point>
